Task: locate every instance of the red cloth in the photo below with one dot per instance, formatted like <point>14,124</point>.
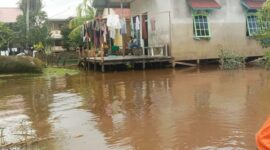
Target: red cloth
<point>144,27</point>
<point>263,136</point>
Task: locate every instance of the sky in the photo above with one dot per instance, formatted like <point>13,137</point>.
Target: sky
<point>54,8</point>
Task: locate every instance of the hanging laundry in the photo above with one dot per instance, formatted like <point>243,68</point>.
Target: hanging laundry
<point>132,27</point>
<point>104,29</point>
<point>82,32</point>
<point>113,21</point>
<point>112,32</point>
<point>144,27</point>
<point>123,29</point>
<point>137,23</point>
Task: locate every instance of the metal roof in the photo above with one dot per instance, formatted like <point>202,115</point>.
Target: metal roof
<point>253,4</point>
<point>111,3</point>
<point>203,4</point>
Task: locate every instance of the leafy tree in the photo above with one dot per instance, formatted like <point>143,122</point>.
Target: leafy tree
<point>6,34</point>
<point>38,25</point>
<point>85,12</point>
<point>67,43</point>
<point>264,19</point>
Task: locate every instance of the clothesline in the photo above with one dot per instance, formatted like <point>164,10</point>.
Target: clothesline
<point>99,30</point>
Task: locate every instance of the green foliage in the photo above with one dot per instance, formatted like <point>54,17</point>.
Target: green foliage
<point>39,46</point>
<point>264,20</point>
<point>229,60</point>
<point>85,12</point>
<point>20,65</point>
<point>267,59</point>
<point>35,6</point>
<point>38,25</point>
<point>67,43</point>
<point>5,34</point>
<point>264,61</point>
<point>75,37</point>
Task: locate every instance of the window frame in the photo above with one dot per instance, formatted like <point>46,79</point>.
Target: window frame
<point>249,34</point>
<point>195,34</point>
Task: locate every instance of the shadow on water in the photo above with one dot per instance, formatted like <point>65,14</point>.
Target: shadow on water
<point>156,109</point>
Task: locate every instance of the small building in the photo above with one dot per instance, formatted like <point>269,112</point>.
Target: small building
<point>9,15</point>
<point>195,29</point>
<point>55,32</point>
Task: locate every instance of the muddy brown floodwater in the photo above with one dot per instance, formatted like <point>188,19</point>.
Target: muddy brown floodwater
<point>191,109</point>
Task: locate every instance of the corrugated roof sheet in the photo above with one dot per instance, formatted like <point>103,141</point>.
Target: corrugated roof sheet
<point>253,4</point>
<point>9,15</point>
<point>203,4</point>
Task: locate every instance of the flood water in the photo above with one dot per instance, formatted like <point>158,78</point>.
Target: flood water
<point>153,110</point>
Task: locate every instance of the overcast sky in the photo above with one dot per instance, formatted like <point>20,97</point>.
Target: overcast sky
<point>54,8</point>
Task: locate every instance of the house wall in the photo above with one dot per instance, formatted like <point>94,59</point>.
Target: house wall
<point>227,25</point>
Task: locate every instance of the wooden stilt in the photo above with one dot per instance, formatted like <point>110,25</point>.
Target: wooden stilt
<point>95,66</point>
<point>102,68</point>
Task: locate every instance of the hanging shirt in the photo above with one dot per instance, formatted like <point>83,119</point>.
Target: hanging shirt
<point>113,21</point>
<point>112,33</point>
<point>137,23</point>
<point>104,29</point>
<point>123,29</point>
<point>132,28</point>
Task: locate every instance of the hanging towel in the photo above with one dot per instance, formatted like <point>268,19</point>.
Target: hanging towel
<point>132,27</point>
<point>144,27</point>
<point>137,23</point>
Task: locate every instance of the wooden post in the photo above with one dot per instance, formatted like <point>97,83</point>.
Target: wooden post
<point>102,67</point>
<point>95,66</point>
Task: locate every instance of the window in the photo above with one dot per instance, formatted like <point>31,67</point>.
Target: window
<point>201,27</point>
<point>252,25</point>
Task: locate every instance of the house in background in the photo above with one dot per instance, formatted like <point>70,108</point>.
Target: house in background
<point>9,15</point>
<point>196,29</point>
<point>55,33</point>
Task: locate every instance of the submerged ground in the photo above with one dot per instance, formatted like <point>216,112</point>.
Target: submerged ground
<point>156,109</point>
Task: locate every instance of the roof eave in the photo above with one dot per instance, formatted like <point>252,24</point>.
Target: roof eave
<point>107,4</point>
<point>249,8</point>
<point>206,8</point>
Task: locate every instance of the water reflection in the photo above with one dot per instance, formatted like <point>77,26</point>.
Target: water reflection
<point>158,109</point>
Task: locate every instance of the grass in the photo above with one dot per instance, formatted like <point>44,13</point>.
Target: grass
<point>28,66</point>
<point>47,73</point>
<point>264,61</point>
<point>20,64</point>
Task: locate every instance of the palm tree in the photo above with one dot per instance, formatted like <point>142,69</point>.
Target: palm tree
<point>85,12</point>
<point>35,6</point>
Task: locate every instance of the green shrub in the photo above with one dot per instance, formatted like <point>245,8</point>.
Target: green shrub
<point>229,60</point>
<point>20,64</point>
<point>264,61</point>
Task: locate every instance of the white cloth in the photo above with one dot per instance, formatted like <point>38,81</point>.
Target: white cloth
<point>137,23</point>
<point>112,33</point>
<point>105,35</point>
<point>113,21</point>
